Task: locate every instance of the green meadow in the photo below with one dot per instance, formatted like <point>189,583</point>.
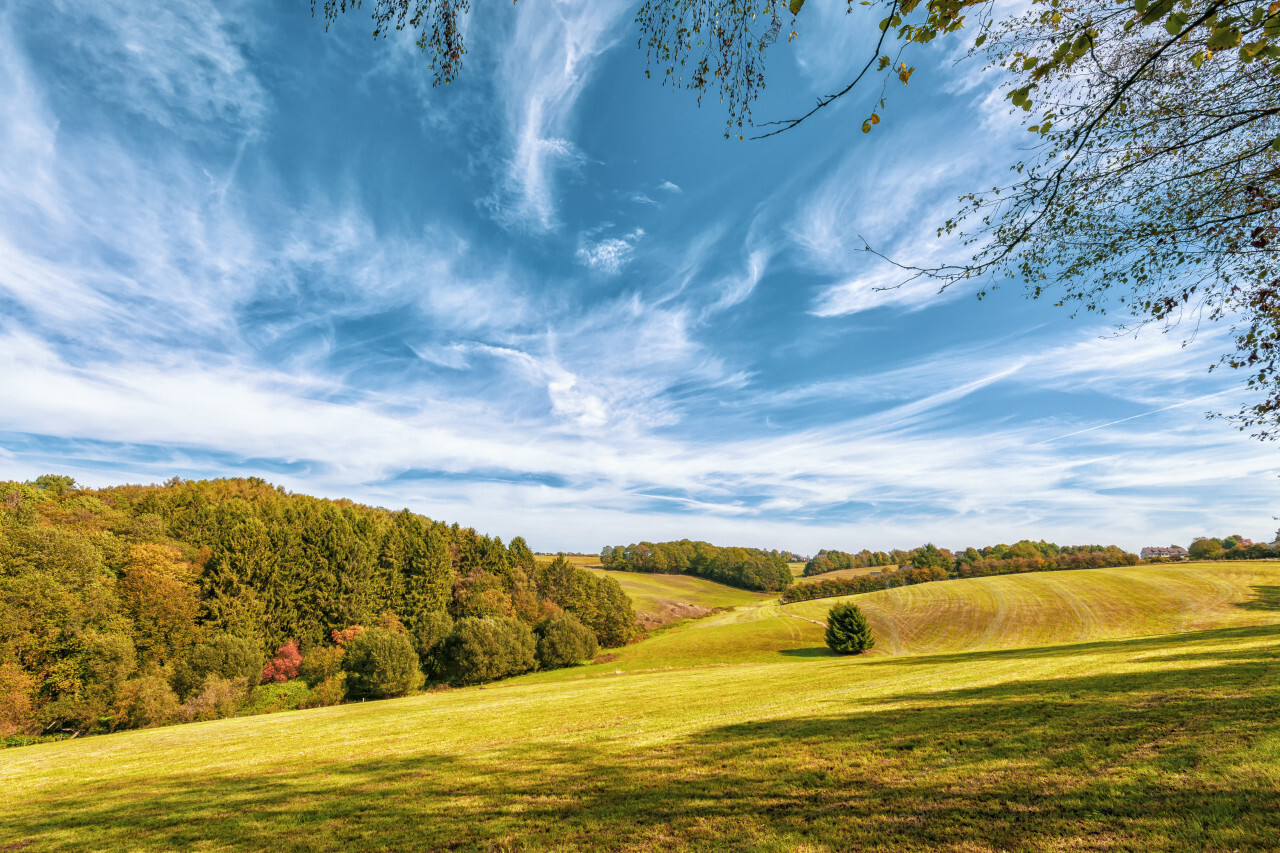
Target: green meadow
<point>1130,709</point>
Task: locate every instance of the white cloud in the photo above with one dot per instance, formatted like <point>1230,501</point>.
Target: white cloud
<point>611,254</point>
<point>544,69</point>
<point>174,63</point>
<point>734,291</point>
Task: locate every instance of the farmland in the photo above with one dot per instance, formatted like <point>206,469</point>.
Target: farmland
<point>1113,709</point>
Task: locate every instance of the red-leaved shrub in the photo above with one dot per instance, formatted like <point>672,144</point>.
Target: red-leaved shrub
<point>284,665</point>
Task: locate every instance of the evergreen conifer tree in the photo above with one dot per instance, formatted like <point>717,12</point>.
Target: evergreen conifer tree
<point>847,630</point>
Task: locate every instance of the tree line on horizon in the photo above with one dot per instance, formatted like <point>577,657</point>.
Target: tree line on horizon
<point>746,568</point>
<point>930,563</point>
<point>136,605</point>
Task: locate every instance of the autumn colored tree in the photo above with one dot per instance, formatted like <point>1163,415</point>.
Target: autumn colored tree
<point>158,593</point>
<point>284,665</point>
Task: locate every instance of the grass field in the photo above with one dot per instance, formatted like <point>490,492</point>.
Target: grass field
<point>648,590</point>
<point>843,573</point>
<point>1109,710</point>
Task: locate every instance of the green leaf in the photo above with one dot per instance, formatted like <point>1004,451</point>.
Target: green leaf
<point>1275,144</point>
<point>795,6</point>
<point>1156,11</point>
<point>979,40</point>
<point>1197,59</point>
<point>1176,22</point>
<point>1224,38</point>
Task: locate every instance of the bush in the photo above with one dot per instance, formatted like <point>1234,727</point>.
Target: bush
<point>481,650</point>
<point>381,663</point>
<point>429,634</point>
<point>563,641</point>
<point>146,701</point>
<point>218,699</point>
<point>847,630</point>
<point>321,664</point>
<point>284,666</point>
<point>331,691</point>
<point>225,655</point>
<point>277,696</point>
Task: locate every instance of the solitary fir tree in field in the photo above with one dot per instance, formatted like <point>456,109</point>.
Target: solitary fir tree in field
<point>847,630</point>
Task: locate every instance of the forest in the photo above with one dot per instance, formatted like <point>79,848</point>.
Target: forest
<point>748,568</point>
<point>135,605</point>
<point>931,563</point>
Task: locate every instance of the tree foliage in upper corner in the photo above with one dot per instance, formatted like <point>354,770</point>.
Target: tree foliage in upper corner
<point>1152,182</point>
<point>435,22</point>
<point>847,630</point>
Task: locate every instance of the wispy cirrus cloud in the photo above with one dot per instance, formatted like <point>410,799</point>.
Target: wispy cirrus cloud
<point>545,66</point>
<point>610,254</point>
<point>221,271</point>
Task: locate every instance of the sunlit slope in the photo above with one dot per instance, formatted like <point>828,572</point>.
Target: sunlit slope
<point>652,592</point>
<point>845,573</point>
<point>1015,611</point>
<point>1169,742</point>
<point>1012,611</point>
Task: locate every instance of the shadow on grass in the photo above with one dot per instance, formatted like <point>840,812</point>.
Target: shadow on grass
<point>1159,760</point>
<point>810,652</point>
<point>1265,598</point>
<point>1137,645</point>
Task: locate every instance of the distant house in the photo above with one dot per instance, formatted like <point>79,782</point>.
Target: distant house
<point>1176,552</point>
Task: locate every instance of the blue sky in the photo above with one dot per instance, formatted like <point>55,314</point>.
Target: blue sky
<point>551,300</point>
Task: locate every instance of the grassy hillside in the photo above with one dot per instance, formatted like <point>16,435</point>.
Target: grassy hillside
<point>661,599</point>
<point>1014,611</point>
<point>843,573</point>
<point>755,738</point>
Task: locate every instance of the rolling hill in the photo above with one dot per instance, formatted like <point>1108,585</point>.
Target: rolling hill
<point>1134,709</point>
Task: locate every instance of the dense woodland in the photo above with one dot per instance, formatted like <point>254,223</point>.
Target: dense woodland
<point>930,563</point>
<point>748,568</point>
<point>139,605</point>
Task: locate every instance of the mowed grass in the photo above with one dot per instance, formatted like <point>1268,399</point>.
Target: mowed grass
<point>1167,741</point>
<point>1044,608</point>
<point>651,592</point>
<point>844,573</point>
